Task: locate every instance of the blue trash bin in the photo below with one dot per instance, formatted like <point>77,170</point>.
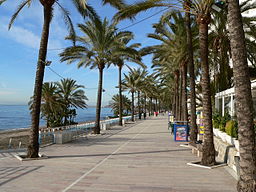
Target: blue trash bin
<point>181,129</point>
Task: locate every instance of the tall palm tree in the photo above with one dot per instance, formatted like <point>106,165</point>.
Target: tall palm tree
<point>173,51</point>
<point>129,54</point>
<point>140,76</point>
<point>202,11</point>
<point>203,20</point>
<point>244,104</point>
<point>99,47</point>
<point>129,83</point>
<point>48,8</point>
<point>133,82</point>
<point>190,52</point>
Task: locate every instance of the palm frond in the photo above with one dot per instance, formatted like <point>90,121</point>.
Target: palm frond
<point>68,22</point>
<point>2,1</point>
<point>16,13</point>
<point>132,10</point>
<point>119,4</point>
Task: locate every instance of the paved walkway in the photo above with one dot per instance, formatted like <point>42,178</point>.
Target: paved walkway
<point>136,158</point>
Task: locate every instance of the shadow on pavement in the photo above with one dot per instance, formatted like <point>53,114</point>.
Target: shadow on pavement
<point>8,174</point>
<point>117,154</point>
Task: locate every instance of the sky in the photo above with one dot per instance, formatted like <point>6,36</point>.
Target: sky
<point>19,50</point>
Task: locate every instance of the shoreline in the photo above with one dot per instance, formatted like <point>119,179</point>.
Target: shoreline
<point>43,127</point>
<point>19,137</point>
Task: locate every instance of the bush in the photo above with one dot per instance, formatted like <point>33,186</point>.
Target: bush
<point>231,128</point>
<point>216,118</point>
<point>223,121</point>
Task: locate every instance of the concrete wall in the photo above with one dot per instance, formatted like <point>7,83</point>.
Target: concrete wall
<point>226,153</point>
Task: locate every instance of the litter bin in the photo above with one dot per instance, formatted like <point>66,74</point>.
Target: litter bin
<point>181,130</point>
<point>170,122</point>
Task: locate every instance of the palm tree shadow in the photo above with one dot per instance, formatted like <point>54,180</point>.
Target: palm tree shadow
<point>8,174</point>
<point>118,154</point>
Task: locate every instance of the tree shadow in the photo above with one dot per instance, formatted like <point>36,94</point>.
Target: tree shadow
<point>8,174</point>
<point>118,154</point>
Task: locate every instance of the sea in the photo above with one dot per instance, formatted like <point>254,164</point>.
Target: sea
<point>18,116</point>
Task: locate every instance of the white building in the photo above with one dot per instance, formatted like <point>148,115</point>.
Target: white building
<point>225,100</point>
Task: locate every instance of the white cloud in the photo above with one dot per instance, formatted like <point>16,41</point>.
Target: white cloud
<point>26,37</point>
<point>22,36</point>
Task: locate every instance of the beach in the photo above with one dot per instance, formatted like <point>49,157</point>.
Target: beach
<point>16,136</point>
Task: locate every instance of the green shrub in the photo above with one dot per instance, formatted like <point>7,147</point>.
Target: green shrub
<point>223,121</point>
<point>231,128</point>
<point>216,117</point>
<point>235,130</point>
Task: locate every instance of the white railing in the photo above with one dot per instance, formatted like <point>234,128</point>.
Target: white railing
<point>67,133</point>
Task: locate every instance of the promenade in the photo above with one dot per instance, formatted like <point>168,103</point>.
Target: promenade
<point>139,157</point>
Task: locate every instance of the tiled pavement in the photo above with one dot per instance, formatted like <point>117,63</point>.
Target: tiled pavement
<point>136,158</point>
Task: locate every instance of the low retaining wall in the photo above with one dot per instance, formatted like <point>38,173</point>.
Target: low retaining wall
<point>226,153</point>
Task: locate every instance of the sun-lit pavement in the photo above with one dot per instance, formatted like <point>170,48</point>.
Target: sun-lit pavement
<point>141,157</point>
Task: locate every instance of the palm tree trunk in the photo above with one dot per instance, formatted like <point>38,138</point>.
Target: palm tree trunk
<point>208,154</point>
<point>156,107</point>
<point>145,107</point>
<point>133,119</point>
<point>193,126</point>
<point>98,106</point>
<point>173,103</point>
<point>244,104</point>
<point>180,97</point>
<point>120,96</point>
<point>177,94</point>
<point>184,93</point>
<point>139,105</point>
<point>33,147</point>
<point>150,106</point>
<point>159,106</point>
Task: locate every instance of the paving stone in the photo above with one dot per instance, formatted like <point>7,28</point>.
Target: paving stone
<point>139,157</point>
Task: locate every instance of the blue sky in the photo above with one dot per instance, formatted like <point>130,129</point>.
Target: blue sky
<point>19,51</point>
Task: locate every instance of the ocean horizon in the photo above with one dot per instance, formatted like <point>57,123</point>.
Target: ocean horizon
<point>18,116</point>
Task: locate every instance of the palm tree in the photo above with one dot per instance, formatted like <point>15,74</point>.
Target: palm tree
<point>202,11</point>
<point>51,104</point>
<point>72,96</point>
<point>59,100</point>
<point>130,84</point>
<point>129,54</point>
<point>140,76</point>
<point>115,103</point>
<point>99,47</point>
<point>190,52</point>
<point>48,7</point>
<point>133,82</point>
<point>172,55</point>
<point>146,89</point>
<point>219,45</point>
<point>244,104</point>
